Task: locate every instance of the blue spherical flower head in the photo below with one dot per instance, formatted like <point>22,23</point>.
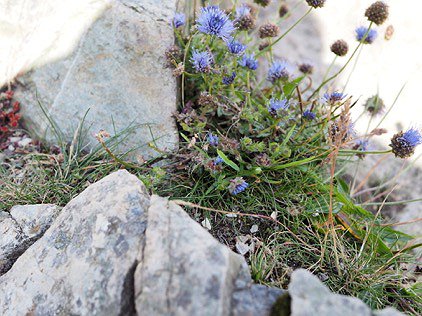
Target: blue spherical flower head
<point>277,105</point>
<point>202,61</point>
<point>214,21</point>
<point>217,161</point>
<point>237,185</point>
<point>236,47</point>
<point>242,11</point>
<point>334,97</point>
<point>403,144</point>
<point>278,71</point>
<point>361,145</point>
<point>179,20</point>
<point>228,80</point>
<point>212,139</point>
<point>370,37</point>
<point>249,61</point>
<point>309,115</point>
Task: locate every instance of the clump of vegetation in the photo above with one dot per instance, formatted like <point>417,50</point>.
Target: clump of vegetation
<point>261,159</point>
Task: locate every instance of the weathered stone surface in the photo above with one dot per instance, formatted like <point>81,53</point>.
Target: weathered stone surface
<point>118,73</point>
<point>20,228</point>
<point>84,264</point>
<point>185,271</point>
<point>113,250</point>
<point>309,296</point>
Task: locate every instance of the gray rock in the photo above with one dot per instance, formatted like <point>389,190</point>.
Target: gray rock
<point>84,264</point>
<point>309,296</point>
<point>185,271</point>
<point>113,250</point>
<point>387,312</point>
<point>118,73</point>
<point>20,228</point>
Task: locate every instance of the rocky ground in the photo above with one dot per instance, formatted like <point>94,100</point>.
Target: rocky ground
<point>115,250</point>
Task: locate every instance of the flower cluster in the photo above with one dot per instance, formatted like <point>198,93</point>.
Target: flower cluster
<point>365,35</point>
<point>249,61</point>
<point>276,105</point>
<point>278,71</point>
<point>214,21</point>
<point>202,61</point>
<point>237,185</point>
<point>334,97</point>
<point>403,144</point>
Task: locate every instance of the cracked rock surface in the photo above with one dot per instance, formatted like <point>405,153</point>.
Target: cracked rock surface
<point>20,228</point>
<point>114,250</point>
<point>117,72</point>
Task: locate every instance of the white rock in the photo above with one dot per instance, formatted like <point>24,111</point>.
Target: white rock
<point>118,73</point>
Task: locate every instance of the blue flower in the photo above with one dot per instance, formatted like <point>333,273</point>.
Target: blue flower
<point>370,37</point>
<point>242,11</point>
<point>179,20</point>
<point>217,161</point>
<point>278,70</point>
<point>334,97</point>
<point>309,115</point>
<point>236,47</point>
<point>249,61</point>
<point>413,137</point>
<point>228,80</point>
<point>277,105</point>
<point>362,145</point>
<point>237,185</point>
<point>214,21</point>
<point>202,61</point>
<point>212,139</point>
<point>403,144</point>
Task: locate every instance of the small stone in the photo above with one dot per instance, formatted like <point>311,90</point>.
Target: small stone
<point>254,229</point>
<point>206,223</point>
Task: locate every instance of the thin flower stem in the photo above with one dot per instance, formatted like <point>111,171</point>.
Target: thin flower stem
<point>353,69</point>
<point>391,107</point>
<point>365,152</point>
<point>329,68</point>
<point>391,203</point>
<point>284,34</point>
<point>344,66</point>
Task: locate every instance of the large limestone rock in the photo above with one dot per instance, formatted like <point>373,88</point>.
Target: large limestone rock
<point>117,72</point>
<point>184,271</point>
<point>309,296</point>
<point>20,228</point>
<point>113,250</point>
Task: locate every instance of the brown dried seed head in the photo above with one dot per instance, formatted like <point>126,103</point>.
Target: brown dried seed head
<point>245,22</point>
<point>262,3</point>
<point>377,12</point>
<point>284,9</point>
<point>269,30</point>
<point>340,48</point>
<point>400,147</point>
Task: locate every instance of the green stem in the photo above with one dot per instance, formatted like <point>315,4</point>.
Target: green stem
<point>284,34</point>
<point>344,66</point>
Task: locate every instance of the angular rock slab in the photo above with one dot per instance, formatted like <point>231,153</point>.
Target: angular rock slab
<point>118,73</point>
<point>309,296</point>
<point>183,270</point>
<point>20,228</point>
<point>84,263</point>
<point>113,250</point>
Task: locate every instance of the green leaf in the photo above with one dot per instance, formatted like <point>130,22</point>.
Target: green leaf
<point>227,160</point>
<point>289,87</point>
